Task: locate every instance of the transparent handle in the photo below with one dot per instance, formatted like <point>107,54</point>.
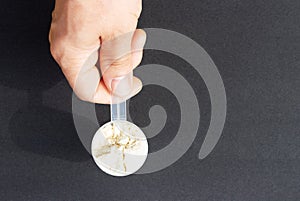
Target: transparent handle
<point>121,89</point>
<point>118,111</point>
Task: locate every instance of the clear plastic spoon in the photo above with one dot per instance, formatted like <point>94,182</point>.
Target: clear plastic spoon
<point>119,147</point>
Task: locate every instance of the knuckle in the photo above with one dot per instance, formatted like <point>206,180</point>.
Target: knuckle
<point>123,61</point>
<point>121,65</point>
<point>54,50</point>
<point>55,47</point>
<point>57,50</point>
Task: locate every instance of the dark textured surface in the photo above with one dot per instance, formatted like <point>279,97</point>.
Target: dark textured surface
<point>256,47</point>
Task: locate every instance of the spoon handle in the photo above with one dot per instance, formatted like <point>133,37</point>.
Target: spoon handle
<point>118,105</point>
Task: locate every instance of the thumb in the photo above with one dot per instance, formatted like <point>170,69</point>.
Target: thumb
<point>118,57</point>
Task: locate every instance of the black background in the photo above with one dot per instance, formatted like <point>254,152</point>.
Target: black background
<point>256,47</point>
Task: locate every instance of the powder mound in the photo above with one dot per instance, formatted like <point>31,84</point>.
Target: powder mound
<point>119,147</point>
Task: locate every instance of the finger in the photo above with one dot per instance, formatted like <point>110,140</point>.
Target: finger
<point>115,57</point>
<point>119,86</point>
<point>137,45</point>
<point>103,95</point>
<point>88,86</point>
<point>118,57</point>
<point>84,79</point>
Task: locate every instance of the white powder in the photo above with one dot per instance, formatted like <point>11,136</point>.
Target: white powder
<point>119,148</point>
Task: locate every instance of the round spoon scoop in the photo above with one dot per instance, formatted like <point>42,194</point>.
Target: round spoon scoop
<point>119,147</point>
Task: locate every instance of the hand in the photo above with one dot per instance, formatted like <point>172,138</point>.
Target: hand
<point>80,27</point>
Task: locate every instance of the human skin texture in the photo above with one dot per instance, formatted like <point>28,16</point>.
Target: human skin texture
<point>80,27</point>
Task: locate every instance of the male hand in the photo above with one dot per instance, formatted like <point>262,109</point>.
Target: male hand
<point>80,27</point>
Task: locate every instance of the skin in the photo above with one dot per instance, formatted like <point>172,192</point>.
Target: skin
<point>80,27</point>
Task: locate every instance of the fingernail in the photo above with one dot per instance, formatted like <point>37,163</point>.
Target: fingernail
<point>122,86</point>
